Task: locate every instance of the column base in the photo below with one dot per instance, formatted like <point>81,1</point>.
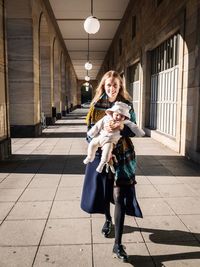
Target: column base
<point>26,130</point>
<point>50,120</point>
<point>64,113</point>
<point>58,116</point>
<point>5,148</point>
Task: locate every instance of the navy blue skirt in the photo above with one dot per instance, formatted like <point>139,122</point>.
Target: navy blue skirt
<point>98,190</point>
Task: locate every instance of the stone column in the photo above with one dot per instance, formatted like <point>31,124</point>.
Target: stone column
<point>63,86</point>
<point>24,117</point>
<point>5,144</point>
<point>45,71</point>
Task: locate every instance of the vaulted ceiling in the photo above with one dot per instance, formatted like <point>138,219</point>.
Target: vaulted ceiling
<point>70,16</point>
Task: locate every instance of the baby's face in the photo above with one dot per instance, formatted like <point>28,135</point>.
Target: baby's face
<point>118,117</point>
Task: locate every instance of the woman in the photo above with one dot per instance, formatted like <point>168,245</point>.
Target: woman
<point>100,189</point>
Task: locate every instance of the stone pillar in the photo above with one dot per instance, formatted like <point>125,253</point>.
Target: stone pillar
<point>5,144</point>
<point>56,83</point>
<point>45,71</point>
<point>63,86</point>
<point>24,111</point>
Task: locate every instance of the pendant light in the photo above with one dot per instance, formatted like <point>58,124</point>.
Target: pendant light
<point>88,64</point>
<point>91,24</point>
<point>87,77</point>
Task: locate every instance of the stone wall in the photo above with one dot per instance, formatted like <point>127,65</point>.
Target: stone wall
<point>5,146</point>
<point>155,24</point>
<point>35,73</point>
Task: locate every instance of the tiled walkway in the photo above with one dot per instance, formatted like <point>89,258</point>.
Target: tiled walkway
<point>42,224</point>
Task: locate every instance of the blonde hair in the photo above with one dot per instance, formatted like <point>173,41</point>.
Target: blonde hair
<point>100,89</point>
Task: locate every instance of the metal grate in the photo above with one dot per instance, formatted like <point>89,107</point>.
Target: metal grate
<point>164,83</point>
<point>134,88</point>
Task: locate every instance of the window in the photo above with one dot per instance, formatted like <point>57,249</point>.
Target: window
<point>164,86</point>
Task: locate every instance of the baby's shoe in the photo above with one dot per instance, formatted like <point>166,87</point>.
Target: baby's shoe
<point>100,168</point>
<point>86,160</point>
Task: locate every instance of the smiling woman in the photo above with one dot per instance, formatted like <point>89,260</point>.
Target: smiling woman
<point>102,186</point>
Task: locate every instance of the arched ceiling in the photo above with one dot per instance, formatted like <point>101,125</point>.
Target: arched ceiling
<point>70,16</point>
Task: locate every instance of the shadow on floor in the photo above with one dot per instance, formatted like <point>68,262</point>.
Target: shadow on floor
<point>73,164</point>
<point>63,135</point>
<point>167,237</point>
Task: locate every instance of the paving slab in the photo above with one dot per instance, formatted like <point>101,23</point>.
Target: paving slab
<point>5,208</point>
<point>179,255</point>
<point>131,232</point>
<point>164,229</point>
<point>21,233</point>
<point>67,231</point>
<point>138,255</point>
<point>67,209</point>
<point>71,180</point>
<point>63,256</point>
<point>17,256</point>
<point>189,179</point>
<point>18,182</point>
<point>193,223</point>
<point>155,206</point>
<point>10,194</point>
<point>68,193</point>
<point>3,175</point>
<point>175,190</point>
<point>30,210</point>
<point>146,191</point>
<point>38,194</point>
<point>163,180</point>
<point>46,182</point>
<point>47,175</point>
<point>184,205</point>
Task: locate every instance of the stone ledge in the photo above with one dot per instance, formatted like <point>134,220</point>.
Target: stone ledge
<point>5,148</point>
<point>26,130</point>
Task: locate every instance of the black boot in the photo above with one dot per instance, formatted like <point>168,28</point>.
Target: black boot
<point>107,227</point>
<point>120,253</point>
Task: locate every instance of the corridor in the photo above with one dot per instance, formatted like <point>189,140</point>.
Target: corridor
<point>42,223</point>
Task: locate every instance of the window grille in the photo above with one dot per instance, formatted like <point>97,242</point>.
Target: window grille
<point>164,83</point>
<point>134,88</point>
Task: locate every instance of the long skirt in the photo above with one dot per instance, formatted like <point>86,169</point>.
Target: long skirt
<point>98,190</point>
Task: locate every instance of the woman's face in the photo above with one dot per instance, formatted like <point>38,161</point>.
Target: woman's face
<point>112,86</point>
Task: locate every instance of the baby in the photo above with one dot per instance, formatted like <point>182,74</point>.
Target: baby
<point>117,115</point>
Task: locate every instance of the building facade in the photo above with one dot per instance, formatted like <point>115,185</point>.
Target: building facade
<point>157,51</point>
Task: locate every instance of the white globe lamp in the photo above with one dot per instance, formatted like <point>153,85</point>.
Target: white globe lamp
<point>88,65</point>
<point>91,25</point>
<point>87,78</point>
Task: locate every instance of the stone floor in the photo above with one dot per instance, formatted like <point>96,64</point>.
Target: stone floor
<point>41,223</point>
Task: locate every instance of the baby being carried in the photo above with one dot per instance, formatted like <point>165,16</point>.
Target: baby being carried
<point>116,117</point>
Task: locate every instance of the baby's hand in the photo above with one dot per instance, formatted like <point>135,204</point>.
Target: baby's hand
<point>118,125</point>
<point>108,127</point>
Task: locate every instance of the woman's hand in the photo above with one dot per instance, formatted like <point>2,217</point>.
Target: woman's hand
<point>113,126</point>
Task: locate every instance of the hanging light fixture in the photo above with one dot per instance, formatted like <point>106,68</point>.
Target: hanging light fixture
<point>87,86</point>
<point>88,64</point>
<point>91,24</point>
<point>87,77</point>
